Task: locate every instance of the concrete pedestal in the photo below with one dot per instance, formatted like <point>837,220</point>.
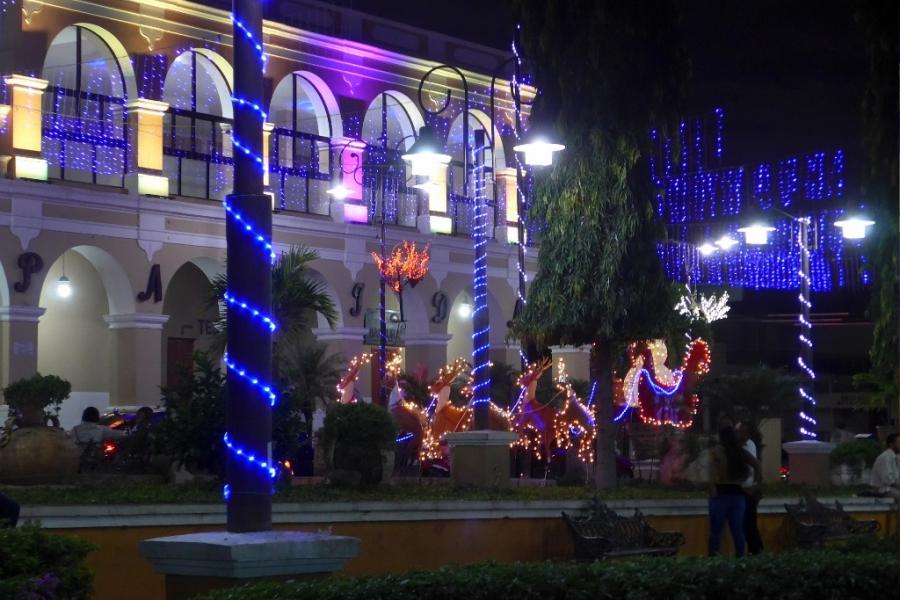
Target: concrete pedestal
<point>480,458</point>
<point>809,461</point>
<point>199,562</point>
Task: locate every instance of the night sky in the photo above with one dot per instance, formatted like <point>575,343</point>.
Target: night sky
<point>790,75</point>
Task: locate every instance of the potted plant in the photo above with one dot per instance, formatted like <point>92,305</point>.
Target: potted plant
<point>850,459</point>
<point>34,453</point>
<point>358,444</point>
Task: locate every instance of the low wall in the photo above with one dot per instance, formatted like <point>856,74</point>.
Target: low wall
<point>397,536</point>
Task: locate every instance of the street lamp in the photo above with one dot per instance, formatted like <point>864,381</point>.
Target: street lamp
<point>64,288</point>
<point>853,228</point>
<point>707,249</point>
<point>726,242</point>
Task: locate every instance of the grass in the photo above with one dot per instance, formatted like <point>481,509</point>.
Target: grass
<point>120,493</point>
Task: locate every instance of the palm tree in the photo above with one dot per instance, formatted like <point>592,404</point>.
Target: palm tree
<point>296,298</point>
<point>312,375</point>
<point>753,394</point>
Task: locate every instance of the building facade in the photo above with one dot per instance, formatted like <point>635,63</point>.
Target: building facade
<point>116,156</point>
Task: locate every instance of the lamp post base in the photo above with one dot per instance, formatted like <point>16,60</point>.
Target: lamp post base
<point>196,563</point>
<point>810,461</point>
<point>480,458</point>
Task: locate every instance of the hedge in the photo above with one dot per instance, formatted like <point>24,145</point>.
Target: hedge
<point>36,565</point>
<point>820,575</point>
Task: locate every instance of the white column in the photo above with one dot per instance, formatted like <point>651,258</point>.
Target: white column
<point>136,358</point>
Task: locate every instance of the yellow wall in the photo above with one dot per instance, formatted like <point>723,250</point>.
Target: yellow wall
<point>401,546</point>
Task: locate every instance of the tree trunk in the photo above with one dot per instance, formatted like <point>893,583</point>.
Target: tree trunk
<point>601,372</point>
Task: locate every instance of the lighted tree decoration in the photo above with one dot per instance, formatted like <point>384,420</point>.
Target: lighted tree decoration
<point>406,265</point>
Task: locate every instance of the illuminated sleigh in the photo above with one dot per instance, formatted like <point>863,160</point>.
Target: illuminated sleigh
<point>662,395</point>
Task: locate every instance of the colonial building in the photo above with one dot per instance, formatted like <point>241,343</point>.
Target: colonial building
<point>116,156</point>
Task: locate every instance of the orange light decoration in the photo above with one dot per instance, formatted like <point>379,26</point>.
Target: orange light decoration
<point>406,265</point>
<point>345,385</point>
<point>530,419</point>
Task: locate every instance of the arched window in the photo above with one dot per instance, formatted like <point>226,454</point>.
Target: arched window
<point>197,145</point>
<point>85,133</point>
<point>306,118</point>
<point>389,128</point>
<point>462,199</point>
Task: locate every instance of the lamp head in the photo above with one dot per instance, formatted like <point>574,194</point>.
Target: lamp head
<point>756,234</point>
<point>538,149</point>
<point>854,228</point>
<point>426,153</point>
<point>64,288</point>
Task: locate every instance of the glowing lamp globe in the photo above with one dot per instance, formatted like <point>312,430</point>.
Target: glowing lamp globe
<point>853,228</point>
<point>429,187</point>
<point>538,152</point>
<point>64,288</point>
<point>756,234</point>
<point>426,155</point>
<point>464,311</point>
<point>340,191</point>
<point>706,248</point>
<point>726,242</point>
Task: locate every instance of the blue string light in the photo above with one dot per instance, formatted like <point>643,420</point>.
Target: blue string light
<point>480,337</point>
<point>249,35</point>
<point>249,457</point>
<point>265,243</point>
<point>404,438</point>
<point>255,381</point>
<point>251,105</point>
<point>255,312</point>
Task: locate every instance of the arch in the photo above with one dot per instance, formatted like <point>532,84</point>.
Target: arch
<point>198,70</point>
<point>74,342</point>
<point>119,292</point>
<point>401,117</point>
<point>494,158</point>
<point>190,326</point>
<point>302,101</point>
<point>112,45</point>
<point>91,79</point>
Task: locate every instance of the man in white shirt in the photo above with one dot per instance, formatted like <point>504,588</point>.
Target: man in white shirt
<point>751,491</point>
<point>90,430</point>
<point>885,471</point>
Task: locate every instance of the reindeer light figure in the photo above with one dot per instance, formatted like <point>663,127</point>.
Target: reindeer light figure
<point>531,420</point>
<point>574,426</point>
<point>346,387</point>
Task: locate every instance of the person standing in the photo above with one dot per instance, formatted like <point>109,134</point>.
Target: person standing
<point>91,431</point>
<point>752,489</point>
<point>9,512</point>
<point>885,472</point>
<point>729,466</point>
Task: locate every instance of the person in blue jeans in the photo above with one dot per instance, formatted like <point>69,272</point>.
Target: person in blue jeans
<point>729,467</point>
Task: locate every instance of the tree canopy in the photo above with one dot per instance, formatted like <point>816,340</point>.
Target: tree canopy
<point>607,72</point>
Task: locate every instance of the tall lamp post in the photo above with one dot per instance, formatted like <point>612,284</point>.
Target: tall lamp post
<point>536,152</point>
<point>852,228</point>
<point>249,471</point>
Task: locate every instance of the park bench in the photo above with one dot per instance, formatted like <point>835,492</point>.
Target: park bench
<point>816,524</point>
<point>606,534</point>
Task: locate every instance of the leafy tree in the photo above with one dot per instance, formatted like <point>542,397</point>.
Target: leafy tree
<point>878,23</point>
<point>309,377</point>
<point>607,71</point>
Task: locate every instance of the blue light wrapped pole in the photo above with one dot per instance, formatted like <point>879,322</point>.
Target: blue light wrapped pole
<point>249,471</point>
<point>481,328</point>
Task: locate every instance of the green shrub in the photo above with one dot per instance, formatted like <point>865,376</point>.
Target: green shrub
<point>358,433</point>
<point>36,565</point>
<point>37,392</point>
<point>195,418</point>
<point>795,576</point>
<point>856,454</point>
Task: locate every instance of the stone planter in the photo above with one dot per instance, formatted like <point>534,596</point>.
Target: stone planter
<point>37,456</point>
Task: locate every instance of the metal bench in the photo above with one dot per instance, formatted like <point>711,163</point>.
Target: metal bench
<point>816,524</point>
<point>606,534</point>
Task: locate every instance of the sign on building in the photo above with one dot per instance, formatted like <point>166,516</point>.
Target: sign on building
<point>395,328</point>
